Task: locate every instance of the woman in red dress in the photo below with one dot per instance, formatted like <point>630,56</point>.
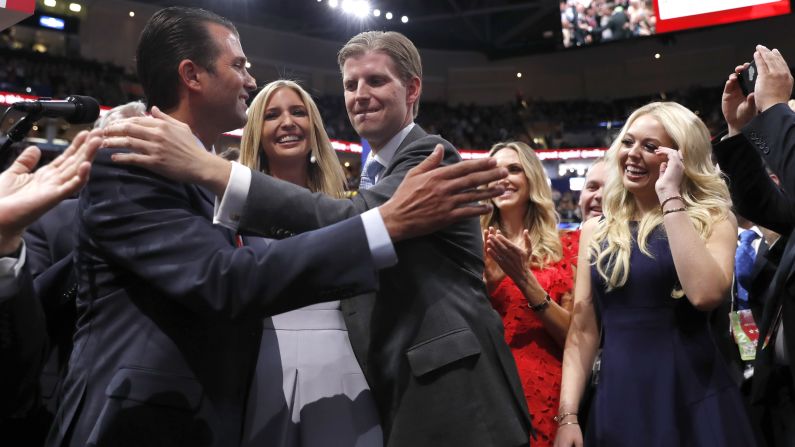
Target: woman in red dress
<point>529,275</point>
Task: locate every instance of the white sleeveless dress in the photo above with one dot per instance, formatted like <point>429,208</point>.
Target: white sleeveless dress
<point>308,389</point>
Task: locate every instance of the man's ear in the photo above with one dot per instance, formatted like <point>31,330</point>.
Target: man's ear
<point>413,90</point>
<point>190,74</point>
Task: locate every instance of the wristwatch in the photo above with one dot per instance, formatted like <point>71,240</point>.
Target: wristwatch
<point>542,306</point>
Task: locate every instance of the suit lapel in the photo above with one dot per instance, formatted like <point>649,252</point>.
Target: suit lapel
<point>760,261</point>
<point>775,292</point>
<point>416,133</point>
<point>206,195</point>
<point>358,310</point>
<point>206,206</point>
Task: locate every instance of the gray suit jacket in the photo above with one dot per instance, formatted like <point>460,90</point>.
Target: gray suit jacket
<point>429,343</point>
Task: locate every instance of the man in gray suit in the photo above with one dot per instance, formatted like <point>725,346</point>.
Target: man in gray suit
<point>428,342</point>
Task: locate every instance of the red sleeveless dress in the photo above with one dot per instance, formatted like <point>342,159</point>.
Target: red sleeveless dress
<point>538,357</point>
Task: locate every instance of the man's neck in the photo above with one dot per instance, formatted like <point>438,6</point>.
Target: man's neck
<point>204,133</point>
<point>378,146</point>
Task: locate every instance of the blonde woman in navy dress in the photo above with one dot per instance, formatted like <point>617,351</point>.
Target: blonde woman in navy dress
<point>656,264</point>
<point>308,388</point>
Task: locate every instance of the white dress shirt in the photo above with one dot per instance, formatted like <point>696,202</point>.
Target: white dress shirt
<point>10,269</point>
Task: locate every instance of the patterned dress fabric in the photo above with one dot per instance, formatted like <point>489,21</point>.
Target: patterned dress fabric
<point>537,355</point>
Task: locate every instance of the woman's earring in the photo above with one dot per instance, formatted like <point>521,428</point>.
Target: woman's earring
<point>312,159</point>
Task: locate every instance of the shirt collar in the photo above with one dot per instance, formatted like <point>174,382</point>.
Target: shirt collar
<point>386,153</point>
<point>212,148</point>
<point>755,229</point>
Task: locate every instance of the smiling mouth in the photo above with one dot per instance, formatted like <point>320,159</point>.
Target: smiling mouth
<point>289,139</point>
<point>365,112</point>
<point>635,172</point>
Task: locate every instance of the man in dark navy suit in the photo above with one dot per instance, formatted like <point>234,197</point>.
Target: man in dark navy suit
<point>169,311</point>
<point>762,127</point>
<point>24,196</point>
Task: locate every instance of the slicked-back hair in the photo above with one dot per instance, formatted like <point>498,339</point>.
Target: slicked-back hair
<point>170,36</point>
<point>395,45</point>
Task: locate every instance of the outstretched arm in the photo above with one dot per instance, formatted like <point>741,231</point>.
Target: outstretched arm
<point>582,342</point>
<point>25,195</point>
<point>432,197</point>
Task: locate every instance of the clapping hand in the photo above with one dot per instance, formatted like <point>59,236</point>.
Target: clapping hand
<point>511,258</point>
<point>492,273</point>
<point>25,195</point>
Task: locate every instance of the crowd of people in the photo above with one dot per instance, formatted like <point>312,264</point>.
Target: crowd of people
<point>466,126</point>
<point>39,74</point>
<point>190,299</point>
<point>585,22</point>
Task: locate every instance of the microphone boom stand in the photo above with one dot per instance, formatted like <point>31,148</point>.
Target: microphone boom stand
<point>17,133</point>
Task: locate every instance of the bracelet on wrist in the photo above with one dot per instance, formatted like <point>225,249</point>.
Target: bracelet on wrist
<point>568,423</point>
<point>540,307</point>
<point>679,198</point>
<point>675,210</point>
<point>559,418</point>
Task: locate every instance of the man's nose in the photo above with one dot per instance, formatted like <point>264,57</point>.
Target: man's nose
<point>250,83</point>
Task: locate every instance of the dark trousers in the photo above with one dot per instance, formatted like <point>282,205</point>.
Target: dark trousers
<point>775,416</point>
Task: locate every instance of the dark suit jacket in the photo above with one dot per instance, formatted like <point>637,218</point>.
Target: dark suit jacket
<point>756,197</point>
<point>170,312</point>
<point>50,244</point>
<point>45,317</point>
<point>23,342</point>
<point>430,344</point>
<point>761,274</point>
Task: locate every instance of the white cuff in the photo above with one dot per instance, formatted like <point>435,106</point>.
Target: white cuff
<point>378,239</point>
<point>9,273</point>
<point>228,211</point>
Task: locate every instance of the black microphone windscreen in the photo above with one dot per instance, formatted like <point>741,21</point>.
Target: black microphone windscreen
<point>86,109</point>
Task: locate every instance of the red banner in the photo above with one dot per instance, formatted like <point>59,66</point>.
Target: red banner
<point>675,15</point>
<point>26,6</point>
<point>14,11</point>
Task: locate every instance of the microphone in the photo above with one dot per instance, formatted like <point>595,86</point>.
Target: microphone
<point>74,109</point>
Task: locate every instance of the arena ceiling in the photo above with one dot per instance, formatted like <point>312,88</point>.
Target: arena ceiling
<point>497,28</point>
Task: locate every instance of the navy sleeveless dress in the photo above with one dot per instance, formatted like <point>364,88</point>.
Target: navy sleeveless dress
<point>662,380</point>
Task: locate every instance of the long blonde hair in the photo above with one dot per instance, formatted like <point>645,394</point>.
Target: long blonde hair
<point>704,191</point>
<point>325,174</point>
<point>541,219</point>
